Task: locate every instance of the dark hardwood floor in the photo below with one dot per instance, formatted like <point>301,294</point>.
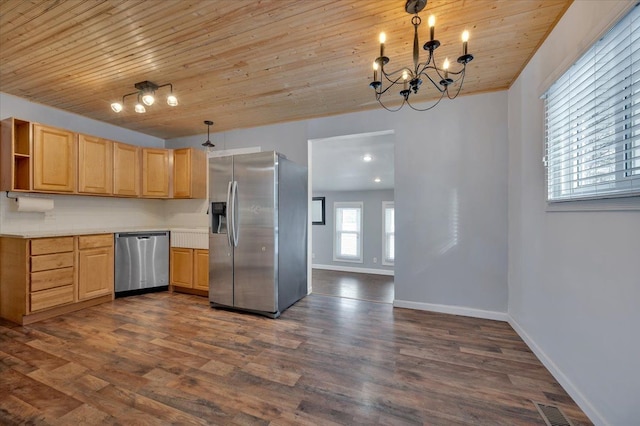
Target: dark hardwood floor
<point>168,358</point>
<point>371,287</point>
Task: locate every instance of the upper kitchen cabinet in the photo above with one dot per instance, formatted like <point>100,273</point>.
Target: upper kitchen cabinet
<point>95,165</point>
<point>126,170</point>
<point>54,159</point>
<point>189,173</point>
<point>15,155</point>
<point>155,172</point>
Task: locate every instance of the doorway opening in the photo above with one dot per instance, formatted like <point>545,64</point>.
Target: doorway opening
<point>352,216</point>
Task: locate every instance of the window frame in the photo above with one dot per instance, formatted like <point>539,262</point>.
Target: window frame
<point>347,205</point>
<point>610,152</point>
<point>385,206</point>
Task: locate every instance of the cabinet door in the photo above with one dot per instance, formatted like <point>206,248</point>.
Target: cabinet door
<point>95,165</point>
<point>201,269</point>
<point>155,173</point>
<point>182,173</point>
<point>189,173</point>
<point>95,272</point>
<point>126,170</point>
<point>54,159</point>
<point>182,267</point>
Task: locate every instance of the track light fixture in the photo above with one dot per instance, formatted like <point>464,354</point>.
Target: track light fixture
<point>146,91</point>
<point>442,79</point>
<point>208,143</point>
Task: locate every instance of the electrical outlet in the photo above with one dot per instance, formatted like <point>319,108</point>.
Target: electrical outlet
<point>375,260</point>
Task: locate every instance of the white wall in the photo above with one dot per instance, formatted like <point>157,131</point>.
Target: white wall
<point>450,196</point>
<point>12,106</point>
<point>450,199</point>
<point>574,281</point>
<point>78,212</point>
<point>372,241</point>
<point>289,139</point>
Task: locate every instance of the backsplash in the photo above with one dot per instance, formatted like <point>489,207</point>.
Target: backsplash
<point>74,212</point>
<point>186,213</point>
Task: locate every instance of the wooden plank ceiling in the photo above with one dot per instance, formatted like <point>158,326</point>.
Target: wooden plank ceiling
<point>246,63</point>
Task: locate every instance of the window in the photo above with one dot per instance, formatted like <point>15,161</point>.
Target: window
<point>592,117</point>
<point>388,233</point>
<point>347,243</point>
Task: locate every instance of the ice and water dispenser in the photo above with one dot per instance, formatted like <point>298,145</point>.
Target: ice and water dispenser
<point>219,217</point>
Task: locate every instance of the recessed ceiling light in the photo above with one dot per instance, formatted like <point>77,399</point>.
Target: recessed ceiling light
<point>367,158</point>
<point>377,180</point>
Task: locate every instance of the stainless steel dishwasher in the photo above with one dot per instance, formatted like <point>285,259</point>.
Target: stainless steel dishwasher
<point>142,262</point>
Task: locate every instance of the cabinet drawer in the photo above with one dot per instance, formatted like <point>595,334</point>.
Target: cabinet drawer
<point>51,261</point>
<point>93,241</point>
<point>51,245</point>
<point>51,279</point>
<point>52,297</point>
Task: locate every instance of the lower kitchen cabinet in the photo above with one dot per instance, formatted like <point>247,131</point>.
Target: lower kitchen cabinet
<point>95,266</point>
<point>182,267</point>
<point>51,278</point>
<point>44,277</point>
<point>189,268</point>
<point>201,269</point>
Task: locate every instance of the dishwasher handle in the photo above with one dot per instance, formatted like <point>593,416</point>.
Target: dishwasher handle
<point>142,235</point>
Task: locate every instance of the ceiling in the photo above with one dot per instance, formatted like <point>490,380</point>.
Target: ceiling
<point>245,63</point>
<point>338,163</point>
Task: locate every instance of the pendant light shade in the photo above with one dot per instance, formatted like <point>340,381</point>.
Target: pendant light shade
<point>208,143</point>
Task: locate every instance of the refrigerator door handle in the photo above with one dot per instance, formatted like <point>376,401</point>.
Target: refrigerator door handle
<point>229,215</point>
<point>234,213</point>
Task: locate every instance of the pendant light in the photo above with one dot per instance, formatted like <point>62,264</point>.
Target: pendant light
<point>208,143</point>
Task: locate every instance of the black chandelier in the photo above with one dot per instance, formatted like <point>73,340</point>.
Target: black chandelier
<point>412,78</point>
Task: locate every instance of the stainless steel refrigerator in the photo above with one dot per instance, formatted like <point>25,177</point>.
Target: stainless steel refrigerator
<point>258,232</point>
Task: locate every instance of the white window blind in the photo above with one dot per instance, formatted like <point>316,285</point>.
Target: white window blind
<point>347,243</point>
<point>592,116</point>
<point>388,232</point>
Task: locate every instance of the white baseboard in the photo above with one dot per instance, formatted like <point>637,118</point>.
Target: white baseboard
<point>455,310</point>
<point>353,269</point>
<point>564,381</point>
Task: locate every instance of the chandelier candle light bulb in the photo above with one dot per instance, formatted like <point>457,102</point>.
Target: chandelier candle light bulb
<point>445,67</point>
<point>375,70</point>
<point>383,38</point>
<point>432,26</point>
<point>465,39</point>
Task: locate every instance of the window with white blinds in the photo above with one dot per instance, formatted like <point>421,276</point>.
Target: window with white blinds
<point>592,116</point>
